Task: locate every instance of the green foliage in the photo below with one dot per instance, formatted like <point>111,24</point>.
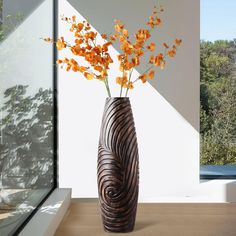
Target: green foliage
<point>9,23</point>
<point>218,103</point>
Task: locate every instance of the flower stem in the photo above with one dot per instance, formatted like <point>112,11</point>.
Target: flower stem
<point>105,81</point>
<point>121,88</point>
<point>108,88</point>
<point>130,74</point>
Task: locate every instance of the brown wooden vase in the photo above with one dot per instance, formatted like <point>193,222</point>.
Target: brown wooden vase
<point>118,166</point>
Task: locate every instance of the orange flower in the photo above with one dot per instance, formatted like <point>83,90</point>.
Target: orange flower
<point>90,35</point>
<point>73,62</point>
<point>99,77</point>
<point>125,32</point>
<point>158,22</point>
<point>97,49</point>
<point>126,47</point>
<point>97,55</point>
<point>130,85</point>
<point>108,58</point>
<point>165,45</point>
<point>158,59</point>
<point>74,68</point>
<point>82,69</point>
<point>151,59</point>
<point>60,44</point>
<point>88,47</point>
<point>121,57</point>
<point>59,61</point>
<point>122,38</point>
<point>49,40</point>
<point>151,22</point>
<point>77,50</point>
<point>68,67</point>
<point>121,80</point>
<point>105,46</point>
<point>72,28</point>
<point>104,73</point>
<point>163,64</point>
<point>73,18</point>
<point>135,61</point>
<point>79,41</point>
<point>143,78</point>
<point>88,76</point>
<point>151,47</point>
<point>139,53</point>
<point>98,68</point>
<point>104,36</point>
<point>79,27</point>
<point>171,53</point>
<point>151,74</point>
<point>142,35</point>
<point>66,60</point>
<point>121,67</point>
<point>138,44</point>
<point>154,21</point>
<point>118,27</point>
<point>129,65</point>
<point>64,18</point>
<point>113,37</point>
<point>178,41</point>
<point>87,27</point>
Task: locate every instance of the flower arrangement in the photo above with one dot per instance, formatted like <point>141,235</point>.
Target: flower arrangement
<point>98,58</point>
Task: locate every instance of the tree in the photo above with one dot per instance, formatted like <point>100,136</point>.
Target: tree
<point>218,103</point>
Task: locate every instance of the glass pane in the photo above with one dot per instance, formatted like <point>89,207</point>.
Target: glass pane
<point>26,109</point>
<point>218,88</point>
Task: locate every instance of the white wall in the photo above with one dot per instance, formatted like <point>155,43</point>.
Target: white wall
<point>166,113</point>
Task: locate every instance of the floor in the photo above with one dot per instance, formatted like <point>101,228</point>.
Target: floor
<point>155,219</point>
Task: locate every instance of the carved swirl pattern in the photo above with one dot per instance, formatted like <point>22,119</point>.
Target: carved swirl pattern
<point>117,169</point>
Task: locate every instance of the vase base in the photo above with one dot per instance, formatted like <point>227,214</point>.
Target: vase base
<point>119,230</point>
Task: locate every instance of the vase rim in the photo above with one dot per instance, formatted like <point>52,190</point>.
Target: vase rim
<point>117,97</point>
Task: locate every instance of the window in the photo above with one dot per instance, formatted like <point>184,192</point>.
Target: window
<point>27,111</point>
<point>218,89</point>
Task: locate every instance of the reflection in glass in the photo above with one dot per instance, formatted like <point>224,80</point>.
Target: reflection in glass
<point>26,110</point>
<point>218,90</point>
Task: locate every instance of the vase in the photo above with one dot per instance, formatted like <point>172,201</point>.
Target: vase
<point>118,166</point>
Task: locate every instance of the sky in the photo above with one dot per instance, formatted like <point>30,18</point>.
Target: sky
<point>218,19</point>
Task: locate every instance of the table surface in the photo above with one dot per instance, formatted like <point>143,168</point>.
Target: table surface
<point>155,219</point>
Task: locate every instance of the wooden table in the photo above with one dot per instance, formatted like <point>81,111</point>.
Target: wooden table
<point>155,219</point>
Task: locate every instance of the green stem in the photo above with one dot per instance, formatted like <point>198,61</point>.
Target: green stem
<point>130,74</point>
<point>121,88</point>
<point>108,92</point>
<point>108,88</point>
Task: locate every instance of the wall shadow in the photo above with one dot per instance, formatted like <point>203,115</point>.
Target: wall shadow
<point>179,84</point>
<point>26,147</point>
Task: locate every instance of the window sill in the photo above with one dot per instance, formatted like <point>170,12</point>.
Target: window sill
<point>49,215</point>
